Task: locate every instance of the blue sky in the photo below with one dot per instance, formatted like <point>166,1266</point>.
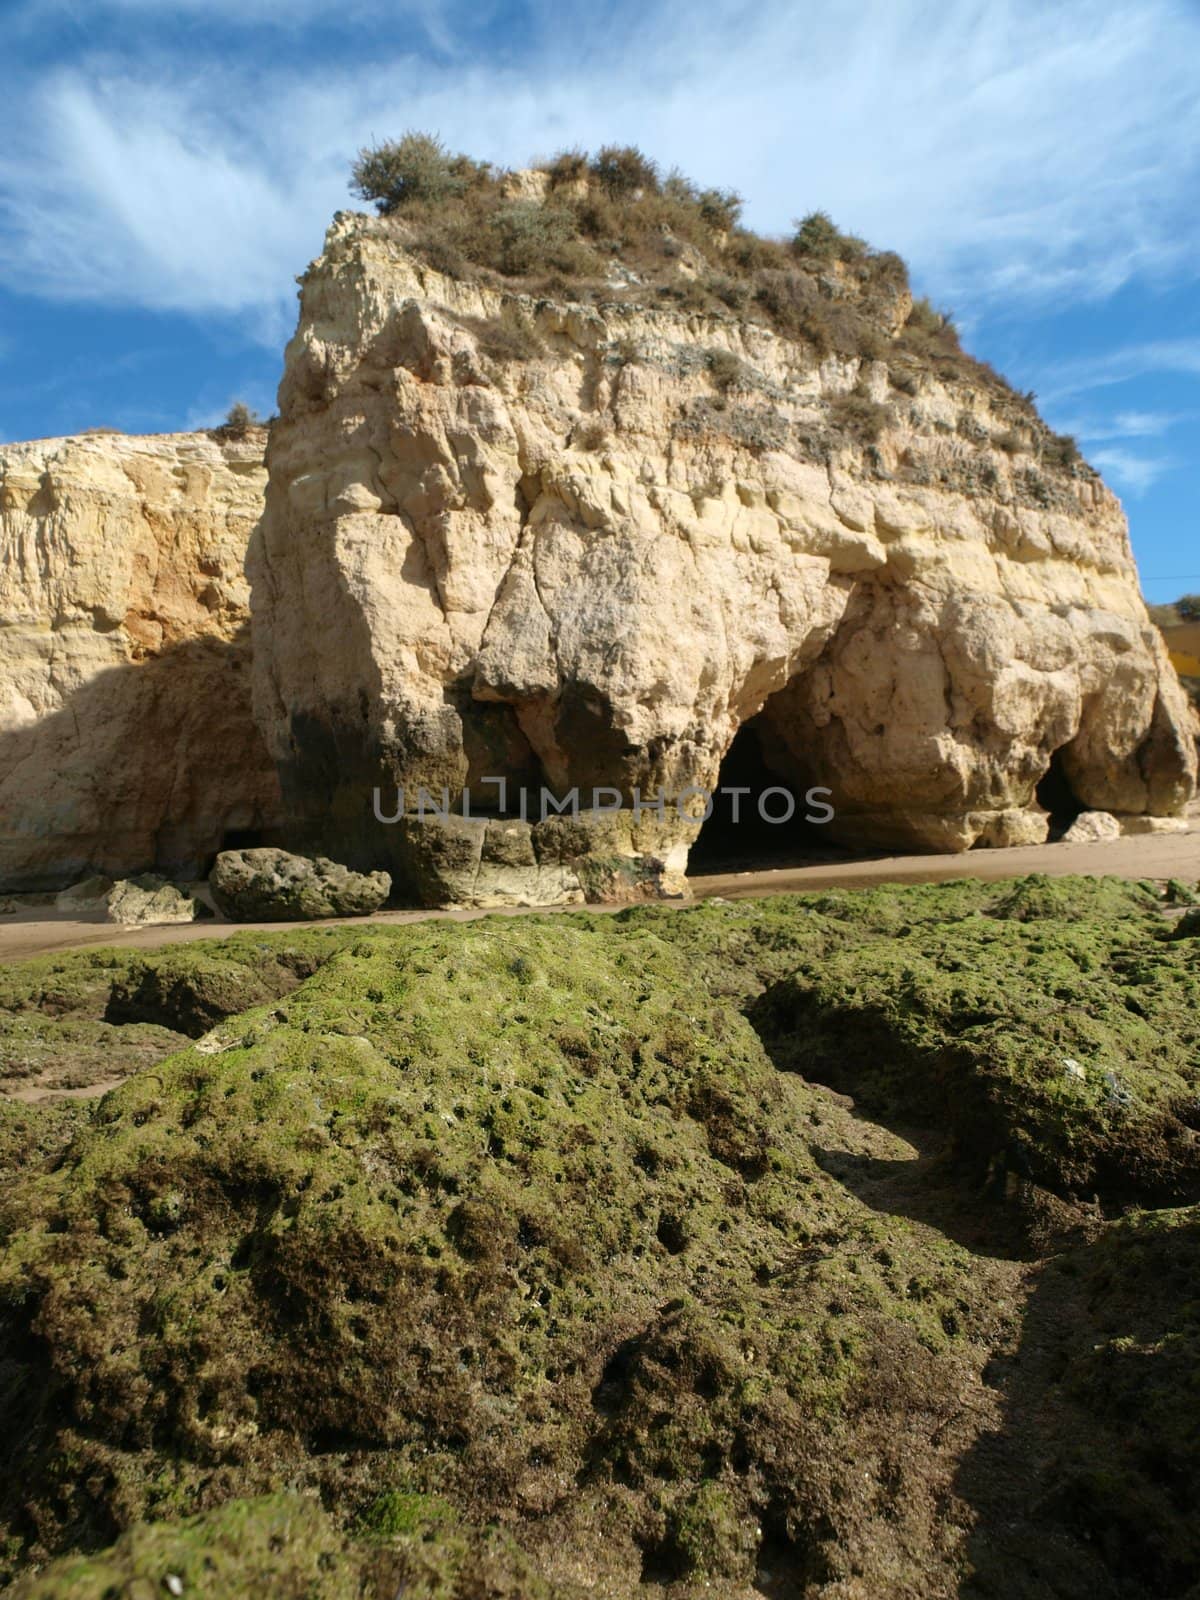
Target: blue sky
<point>168,166</point>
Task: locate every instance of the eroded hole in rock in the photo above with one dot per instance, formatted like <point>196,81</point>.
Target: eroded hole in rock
<point>737,836</point>
<point>784,1567</point>
<point>1055,795</point>
<point>663,1562</point>
<point>244,839</point>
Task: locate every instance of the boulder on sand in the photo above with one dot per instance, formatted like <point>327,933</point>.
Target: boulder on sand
<point>268,885</point>
<point>149,899</point>
<point>1090,827</point>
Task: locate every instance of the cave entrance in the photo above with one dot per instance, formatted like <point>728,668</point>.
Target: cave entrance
<point>737,837</point>
<point>1055,795</point>
<point>243,839</point>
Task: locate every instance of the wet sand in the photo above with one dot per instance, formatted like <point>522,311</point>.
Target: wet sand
<point>42,931</point>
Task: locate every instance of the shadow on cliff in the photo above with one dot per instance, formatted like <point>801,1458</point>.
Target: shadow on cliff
<point>1088,1488</point>
<point>146,766</point>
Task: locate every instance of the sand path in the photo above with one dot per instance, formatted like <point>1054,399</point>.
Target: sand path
<point>42,931</point>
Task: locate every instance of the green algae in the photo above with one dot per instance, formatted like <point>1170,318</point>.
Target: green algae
<point>66,1053</point>
<point>31,1135</point>
<point>282,1545</point>
<point>511,1242</point>
<point>414,1211</point>
<point>1089,1485</point>
<point>1058,1042</point>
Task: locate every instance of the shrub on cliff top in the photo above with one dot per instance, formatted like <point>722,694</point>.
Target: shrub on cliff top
<point>239,420</point>
<point>611,228</point>
<point>818,236</point>
<point>416,167</point>
<point>674,237</point>
<point>624,170</point>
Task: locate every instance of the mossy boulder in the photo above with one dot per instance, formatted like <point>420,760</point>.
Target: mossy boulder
<point>1088,1487</point>
<point>269,885</point>
<point>71,1022</point>
<point>1054,1037</point>
<point>282,1545</point>
<point>509,1250</point>
<point>464,1216</point>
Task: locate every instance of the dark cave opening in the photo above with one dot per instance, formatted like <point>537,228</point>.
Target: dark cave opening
<point>737,837</point>
<point>1055,795</point>
<point>244,839</point>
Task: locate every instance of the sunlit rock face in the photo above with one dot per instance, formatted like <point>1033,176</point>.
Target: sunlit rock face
<point>521,550</point>
<point>588,564</point>
<point>127,740</point>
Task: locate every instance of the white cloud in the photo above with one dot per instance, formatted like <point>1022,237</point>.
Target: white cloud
<point>1181,356</point>
<point>1012,150</point>
<point>1136,473</point>
<point>1126,425</point>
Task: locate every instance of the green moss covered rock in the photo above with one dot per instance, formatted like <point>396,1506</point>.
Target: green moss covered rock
<point>522,1225</point>
<point>510,1253</point>
<point>1054,1036</point>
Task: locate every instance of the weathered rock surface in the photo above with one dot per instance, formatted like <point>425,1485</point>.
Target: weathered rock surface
<point>148,899</point>
<point>1090,827</point>
<point>126,735</point>
<point>1148,824</point>
<point>89,894</point>
<point>591,566</point>
<point>267,885</point>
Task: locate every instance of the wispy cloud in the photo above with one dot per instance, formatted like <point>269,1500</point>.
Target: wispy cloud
<point>1180,356</point>
<point>1013,150</point>
<point>1133,472</point>
<point>1125,425</point>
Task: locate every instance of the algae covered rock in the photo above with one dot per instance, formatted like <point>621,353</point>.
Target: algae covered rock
<point>277,1544</point>
<point>1088,1487</point>
<point>267,885</point>
<point>1053,1038</point>
<point>462,1219</point>
<point>508,1247</point>
<point>78,1022</point>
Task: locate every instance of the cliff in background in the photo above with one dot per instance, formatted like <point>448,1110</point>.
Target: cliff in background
<point>584,543</point>
<point>126,735</point>
<point>575,533</point>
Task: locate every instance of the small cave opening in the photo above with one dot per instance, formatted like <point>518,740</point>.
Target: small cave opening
<point>1055,795</point>
<point>739,835</point>
<point>243,839</point>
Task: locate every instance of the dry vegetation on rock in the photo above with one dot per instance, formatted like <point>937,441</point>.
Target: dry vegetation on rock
<point>613,227</point>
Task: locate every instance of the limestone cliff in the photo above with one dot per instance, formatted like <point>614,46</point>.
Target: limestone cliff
<point>126,734</point>
<point>582,544</point>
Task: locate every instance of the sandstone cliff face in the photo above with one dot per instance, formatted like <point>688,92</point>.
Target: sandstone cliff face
<point>591,561</point>
<point>126,734</point>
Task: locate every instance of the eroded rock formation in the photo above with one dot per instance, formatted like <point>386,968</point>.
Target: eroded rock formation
<point>581,545</point>
<point>126,735</point>
<point>575,546</point>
